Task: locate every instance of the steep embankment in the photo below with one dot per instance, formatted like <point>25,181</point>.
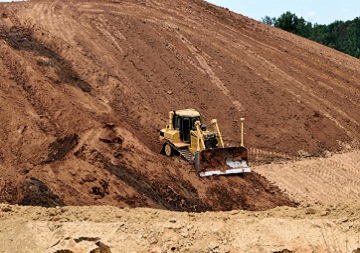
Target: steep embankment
<point>86,85</point>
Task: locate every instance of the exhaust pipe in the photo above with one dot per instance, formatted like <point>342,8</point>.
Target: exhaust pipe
<point>171,116</point>
<point>242,132</point>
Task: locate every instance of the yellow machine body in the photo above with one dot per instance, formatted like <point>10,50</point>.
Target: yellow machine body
<point>185,130</point>
<point>185,135</point>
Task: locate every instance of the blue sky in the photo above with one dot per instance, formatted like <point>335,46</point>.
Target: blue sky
<point>320,11</point>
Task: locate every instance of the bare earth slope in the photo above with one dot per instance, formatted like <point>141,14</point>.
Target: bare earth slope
<point>86,85</point>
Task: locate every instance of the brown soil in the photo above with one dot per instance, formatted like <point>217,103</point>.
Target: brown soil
<point>86,86</point>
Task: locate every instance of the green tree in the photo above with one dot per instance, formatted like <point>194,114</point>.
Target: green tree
<point>320,34</point>
<point>287,22</point>
<point>340,35</point>
<point>303,28</point>
<point>292,23</point>
<point>353,38</point>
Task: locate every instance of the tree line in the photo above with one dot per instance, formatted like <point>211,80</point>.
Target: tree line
<point>340,35</point>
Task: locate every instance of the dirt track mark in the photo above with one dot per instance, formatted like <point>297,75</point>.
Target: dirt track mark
<point>110,37</point>
<point>323,180</point>
<point>247,44</point>
<point>207,68</point>
<point>316,101</point>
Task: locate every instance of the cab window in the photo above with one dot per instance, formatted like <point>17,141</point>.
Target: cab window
<point>193,120</point>
<point>177,123</point>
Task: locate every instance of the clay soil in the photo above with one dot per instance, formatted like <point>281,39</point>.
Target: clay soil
<point>85,87</point>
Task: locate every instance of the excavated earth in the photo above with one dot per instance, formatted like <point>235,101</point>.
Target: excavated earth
<point>86,86</point>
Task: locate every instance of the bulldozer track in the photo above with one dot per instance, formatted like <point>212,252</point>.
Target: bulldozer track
<point>273,156</point>
<point>322,180</point>
<point>185,153</point>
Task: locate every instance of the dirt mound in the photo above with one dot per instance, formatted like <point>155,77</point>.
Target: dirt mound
<point>86,86</point>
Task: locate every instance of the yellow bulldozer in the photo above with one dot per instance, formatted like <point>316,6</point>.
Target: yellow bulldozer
<point>185,135</point>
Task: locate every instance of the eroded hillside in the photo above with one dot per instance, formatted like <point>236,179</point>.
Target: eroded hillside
<point>86,85</point>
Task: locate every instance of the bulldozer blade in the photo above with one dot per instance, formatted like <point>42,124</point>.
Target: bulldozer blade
<point>221,161</point>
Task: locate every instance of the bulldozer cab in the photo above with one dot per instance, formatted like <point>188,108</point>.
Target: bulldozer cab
<point>184,124</point>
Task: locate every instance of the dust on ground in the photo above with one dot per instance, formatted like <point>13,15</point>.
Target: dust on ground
<point>332,228</point>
